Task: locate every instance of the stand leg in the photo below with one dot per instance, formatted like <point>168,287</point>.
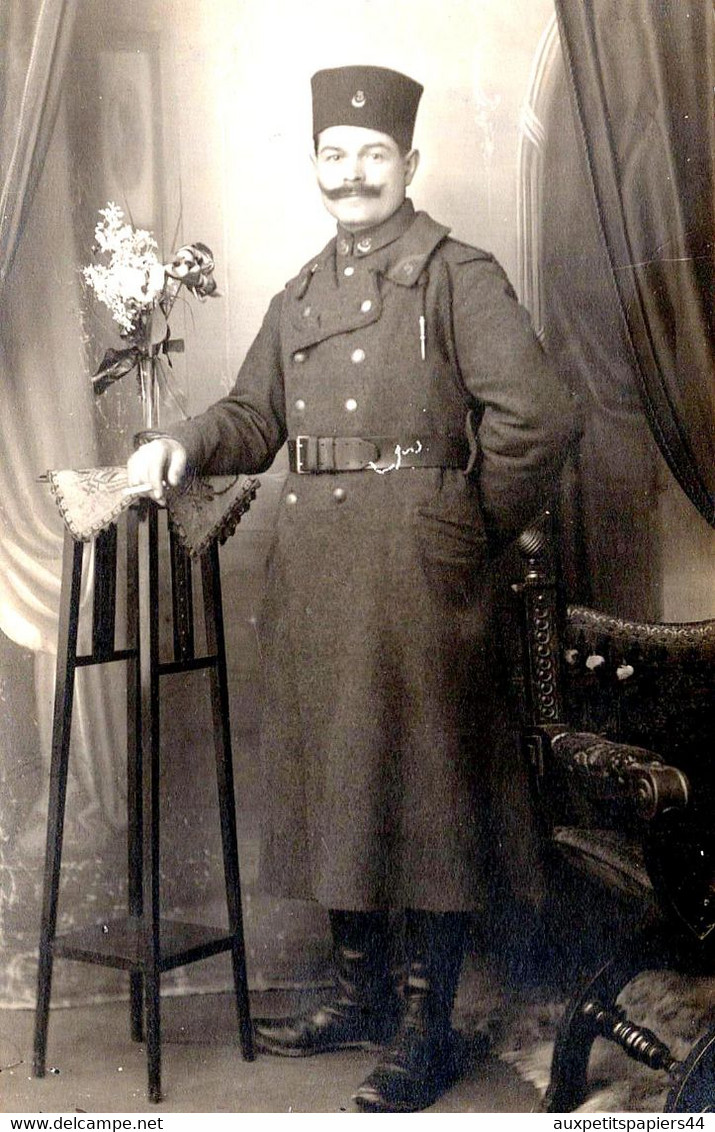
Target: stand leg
<point>136,1006</point>
<point>134,770</point>
<point>148,576</point>
<point>61,728</point>
<point>153,1035</point>
<point>213,615</point>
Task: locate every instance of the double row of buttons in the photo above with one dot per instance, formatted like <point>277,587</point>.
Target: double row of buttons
<point>339,495</point>
<point>365,307</point>
<point>350,405</point>
<point>357,356</point>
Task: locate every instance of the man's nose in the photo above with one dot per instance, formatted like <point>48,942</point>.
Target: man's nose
<point>354,170</point>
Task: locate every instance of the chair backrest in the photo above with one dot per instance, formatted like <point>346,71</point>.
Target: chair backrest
<point>648,685</point>
<point>652,685</point>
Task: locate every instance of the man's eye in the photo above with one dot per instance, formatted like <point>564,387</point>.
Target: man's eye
<point>377,156</point>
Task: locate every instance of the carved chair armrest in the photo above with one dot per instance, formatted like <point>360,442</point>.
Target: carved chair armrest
<point>619,772</point>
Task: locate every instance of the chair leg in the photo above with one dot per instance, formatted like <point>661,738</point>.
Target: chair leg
<point>577,1032</point>
<point>694,1090</point>
<point>582,1023</point>
<point>61,728</point>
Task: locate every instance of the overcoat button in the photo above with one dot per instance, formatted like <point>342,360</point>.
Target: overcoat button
<point>306,312</point>
<point>366,306</point>
<point>291,498</point>
<point>339,494</point>
<point>351,404</point>
<point>349,271</point>
<point>299,357</point>
<point>357,356</point>
<point>300,405</point>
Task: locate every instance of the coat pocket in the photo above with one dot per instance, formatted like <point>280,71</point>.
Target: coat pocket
<point>451,543</point>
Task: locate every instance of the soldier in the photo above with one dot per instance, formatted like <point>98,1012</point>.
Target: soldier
<point>425,429</point>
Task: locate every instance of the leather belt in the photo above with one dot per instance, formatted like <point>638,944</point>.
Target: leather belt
<point>319,454</point>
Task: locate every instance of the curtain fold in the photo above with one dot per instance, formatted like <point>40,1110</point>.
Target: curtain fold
<point>610,535</point>
<point>34,42</point>
<point>48,421</point>
<point>641,79</point>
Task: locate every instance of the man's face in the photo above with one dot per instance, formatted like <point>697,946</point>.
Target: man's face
<point>362,175</point>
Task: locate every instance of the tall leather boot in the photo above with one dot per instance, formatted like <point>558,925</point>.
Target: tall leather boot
<point>420,1064</point>
<point>364,1010</point>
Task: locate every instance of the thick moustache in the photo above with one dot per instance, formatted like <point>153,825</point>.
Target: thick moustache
<point>352,191</point>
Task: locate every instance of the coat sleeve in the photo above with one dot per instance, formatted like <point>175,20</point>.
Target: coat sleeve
<point>527,414</point>
<point>244,430</point>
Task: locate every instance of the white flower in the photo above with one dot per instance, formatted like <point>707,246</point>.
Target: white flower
<point>156,280</point>
<point>130,283</point>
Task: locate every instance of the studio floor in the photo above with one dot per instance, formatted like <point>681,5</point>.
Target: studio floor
<point>93,1067</point>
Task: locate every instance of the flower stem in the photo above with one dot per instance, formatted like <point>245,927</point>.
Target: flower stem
<point>149,391</point>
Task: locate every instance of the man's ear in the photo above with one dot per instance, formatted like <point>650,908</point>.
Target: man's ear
<point>412,160</point>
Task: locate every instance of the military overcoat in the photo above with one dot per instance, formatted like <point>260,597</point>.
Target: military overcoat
<point>383,709</point>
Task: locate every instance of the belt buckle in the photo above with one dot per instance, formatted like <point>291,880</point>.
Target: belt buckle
<point>299,455</point>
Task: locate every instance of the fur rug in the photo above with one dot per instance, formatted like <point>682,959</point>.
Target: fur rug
<point>522,1026</point>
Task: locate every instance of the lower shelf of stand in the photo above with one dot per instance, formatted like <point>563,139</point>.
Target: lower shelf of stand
<point>122,944</point>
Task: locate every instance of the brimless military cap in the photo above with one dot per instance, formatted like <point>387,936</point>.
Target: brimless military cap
<point>374,97</point>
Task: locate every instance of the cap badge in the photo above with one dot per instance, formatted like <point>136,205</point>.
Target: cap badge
<point>359,99</point>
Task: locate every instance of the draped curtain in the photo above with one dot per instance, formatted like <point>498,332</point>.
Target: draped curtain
<point>641,78</point>
<point>34,41</point>
<point>48,421</point>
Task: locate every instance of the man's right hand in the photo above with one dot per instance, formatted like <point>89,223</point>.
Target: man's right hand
<point>161,463</point>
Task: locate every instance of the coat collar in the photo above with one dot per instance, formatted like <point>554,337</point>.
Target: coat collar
<point>398,249</point>
<point>370,240</point>
<point>317,308</point>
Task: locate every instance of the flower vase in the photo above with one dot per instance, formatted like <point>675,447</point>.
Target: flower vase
<point>148,390</point>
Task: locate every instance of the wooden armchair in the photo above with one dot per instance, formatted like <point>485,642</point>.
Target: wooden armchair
<point>619,727</point>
